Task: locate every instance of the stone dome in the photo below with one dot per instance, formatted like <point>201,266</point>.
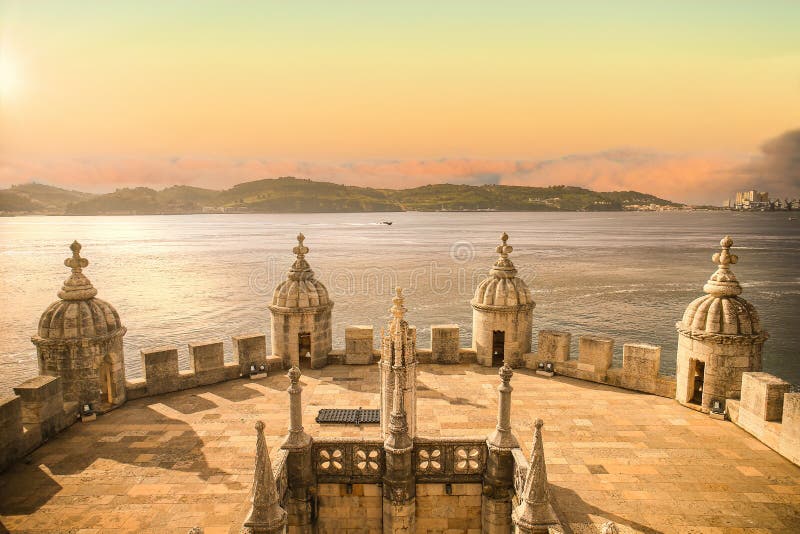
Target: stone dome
<point>78,314</point>
<point>721,311</point>
<point>69,319</point>
<point>300,289</point>
<point>502,288</point>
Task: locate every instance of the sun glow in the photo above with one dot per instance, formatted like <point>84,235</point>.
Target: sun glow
<point>10,81</point>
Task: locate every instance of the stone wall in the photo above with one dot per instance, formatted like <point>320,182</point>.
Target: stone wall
<point>354,508</point>
<point>768,411</point>
<point>640,362</point>
<point>358,345</point>
<point>36,413</point>
<point>444,343</point>
<point>207,365</point>
<point>456,511</point>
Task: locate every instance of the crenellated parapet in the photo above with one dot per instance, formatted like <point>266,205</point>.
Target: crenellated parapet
<point>34,414</point>
<point>640,362</point>
<point>207,365</point>
<point>770,411</point>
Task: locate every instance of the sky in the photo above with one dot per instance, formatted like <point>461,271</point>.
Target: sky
<point>677,98</point>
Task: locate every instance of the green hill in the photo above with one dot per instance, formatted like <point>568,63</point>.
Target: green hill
<point>293,195</point>
<point>38,198</point>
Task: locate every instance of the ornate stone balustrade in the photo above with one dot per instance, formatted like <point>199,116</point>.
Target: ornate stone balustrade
<point>436,460</point>
<point>452,460</point>
<point>348,461</point>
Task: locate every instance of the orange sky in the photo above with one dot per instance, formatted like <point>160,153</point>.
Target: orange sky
<point>664,97</point>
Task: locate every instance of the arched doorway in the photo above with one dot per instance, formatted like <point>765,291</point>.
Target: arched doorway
<point>304,349</point>
<point>498,348</point>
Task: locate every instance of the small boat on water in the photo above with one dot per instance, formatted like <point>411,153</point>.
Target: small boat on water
<point>387,223</point>
<point>792,218</point>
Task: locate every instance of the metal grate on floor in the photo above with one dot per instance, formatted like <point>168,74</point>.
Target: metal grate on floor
<point>349,416</point>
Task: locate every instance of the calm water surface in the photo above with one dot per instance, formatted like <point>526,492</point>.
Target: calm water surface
<point>180,279</point>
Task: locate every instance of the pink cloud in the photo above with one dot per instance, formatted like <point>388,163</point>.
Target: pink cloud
<point>693,178</point>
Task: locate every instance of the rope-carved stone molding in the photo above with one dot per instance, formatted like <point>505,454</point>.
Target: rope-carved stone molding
<point>724,339</point>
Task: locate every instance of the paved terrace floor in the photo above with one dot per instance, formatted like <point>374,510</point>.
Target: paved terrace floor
<point>168,463</point>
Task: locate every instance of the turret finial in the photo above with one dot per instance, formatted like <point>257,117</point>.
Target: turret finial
<point>723,282</point>
<point>505,249</point>
<point>503,267</point>
<point>300,270</point>
<point>76,263</point>
<point>77,286</point>
<point>300,250</point>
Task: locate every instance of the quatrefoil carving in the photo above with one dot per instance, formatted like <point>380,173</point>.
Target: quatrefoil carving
<point>468,460</point>
<point>367,461</point>
<point>430,460</point>
<point>330,460</point>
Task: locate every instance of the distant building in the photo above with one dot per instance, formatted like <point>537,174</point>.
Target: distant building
<point>751,200</point>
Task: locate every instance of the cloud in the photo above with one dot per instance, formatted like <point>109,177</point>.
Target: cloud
<point>776,169</point>
<point>691,178</point>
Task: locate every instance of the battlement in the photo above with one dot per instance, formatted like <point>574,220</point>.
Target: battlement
<point>640,362</point>
<point>34,414</point>
<point>207,365</point>
<point>770,412</point>
<point>639,371</point>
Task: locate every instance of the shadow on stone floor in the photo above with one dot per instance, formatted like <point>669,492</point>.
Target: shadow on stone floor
<point>138,436</point>
<point>571,509</point>
<point>187,404</point>
<point>426,392</point>
<point>27,493</point>
<point>238,391</point>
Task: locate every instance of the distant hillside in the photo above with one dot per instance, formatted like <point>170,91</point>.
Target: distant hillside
<point>38,198</point>
<point>143,200</point>
<point>293,195</point>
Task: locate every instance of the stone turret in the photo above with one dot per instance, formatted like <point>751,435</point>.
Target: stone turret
<point>80,340</point>
<point>502,314</point>
<point>719,338</point>
<point>398,350</point>
<point>301,315</point>
<point>266,515</point>
<point>535,514</point>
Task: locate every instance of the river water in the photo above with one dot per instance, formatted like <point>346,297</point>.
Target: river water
<point>181,279</point>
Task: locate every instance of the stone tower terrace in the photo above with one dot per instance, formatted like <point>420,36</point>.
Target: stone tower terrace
<point>171,462</point>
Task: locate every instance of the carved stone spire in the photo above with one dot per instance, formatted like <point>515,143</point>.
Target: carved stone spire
<point>266,515</point>
<point>77,286</point>
<point>398,438</point>
<point>535,513</point>
<point>398,351</point>
<point>502,437</point>
<point>723,282</point>
<point>503,267</point>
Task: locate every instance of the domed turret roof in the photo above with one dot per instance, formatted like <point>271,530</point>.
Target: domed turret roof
<point>721,311</point>
<point>78,314</point>
<point>502,288</point>
<point>300,289</point>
